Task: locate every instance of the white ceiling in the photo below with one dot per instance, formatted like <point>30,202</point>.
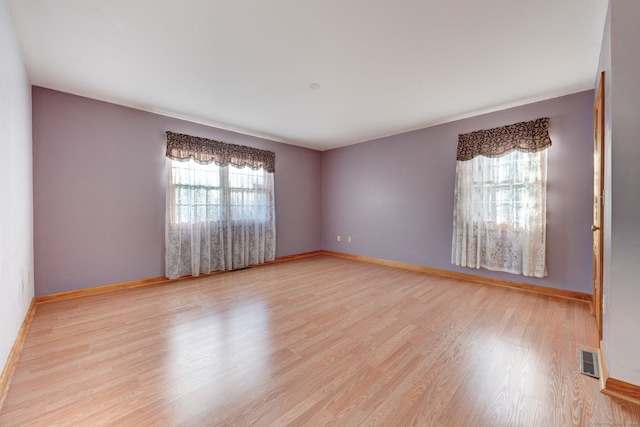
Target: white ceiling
<point>384,67</point>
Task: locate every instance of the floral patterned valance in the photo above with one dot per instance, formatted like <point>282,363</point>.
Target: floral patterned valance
<point>524,136</point>
<point>204,151</point>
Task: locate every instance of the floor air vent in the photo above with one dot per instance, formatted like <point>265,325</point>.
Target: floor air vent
<point>589,363</point>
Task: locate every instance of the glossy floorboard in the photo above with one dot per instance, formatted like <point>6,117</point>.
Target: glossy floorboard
<point>316,341</point>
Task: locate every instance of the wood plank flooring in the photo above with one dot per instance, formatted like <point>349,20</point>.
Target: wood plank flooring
<point>311,342</point>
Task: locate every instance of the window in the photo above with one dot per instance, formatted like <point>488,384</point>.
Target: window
<point>197,195</point>
<point>220,206</point>
<point>500,190</point>
<point>500,199</point>
<point>213,193</point>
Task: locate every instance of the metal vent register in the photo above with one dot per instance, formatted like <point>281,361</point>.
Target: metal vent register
<point>589,363</point>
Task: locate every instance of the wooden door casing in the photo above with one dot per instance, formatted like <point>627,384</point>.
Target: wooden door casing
<point>598,203</point>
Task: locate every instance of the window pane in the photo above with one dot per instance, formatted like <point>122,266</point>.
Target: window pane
<point>192,173</point>
<point>245,177</point>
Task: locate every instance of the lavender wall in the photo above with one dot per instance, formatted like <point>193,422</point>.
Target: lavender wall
<point>16,203</point>
<point>620,59</point>
<point>99,191</point>
<point>394,196</point>
<point>604,64</point>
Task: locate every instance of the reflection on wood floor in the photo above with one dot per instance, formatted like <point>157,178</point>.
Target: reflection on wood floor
<point>315,341</point>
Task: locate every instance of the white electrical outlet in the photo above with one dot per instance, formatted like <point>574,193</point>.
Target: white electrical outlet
<point>349,239</point>
<point>338,237</point>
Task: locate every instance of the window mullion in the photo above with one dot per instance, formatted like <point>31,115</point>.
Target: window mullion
<point>225,193</point>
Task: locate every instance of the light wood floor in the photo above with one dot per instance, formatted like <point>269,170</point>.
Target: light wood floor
<point>316,341</point>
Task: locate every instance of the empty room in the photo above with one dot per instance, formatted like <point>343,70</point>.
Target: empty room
<point>345,213</point>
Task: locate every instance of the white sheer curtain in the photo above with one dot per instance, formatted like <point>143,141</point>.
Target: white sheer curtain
<point>218,217</point>
<point>499,218</point>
